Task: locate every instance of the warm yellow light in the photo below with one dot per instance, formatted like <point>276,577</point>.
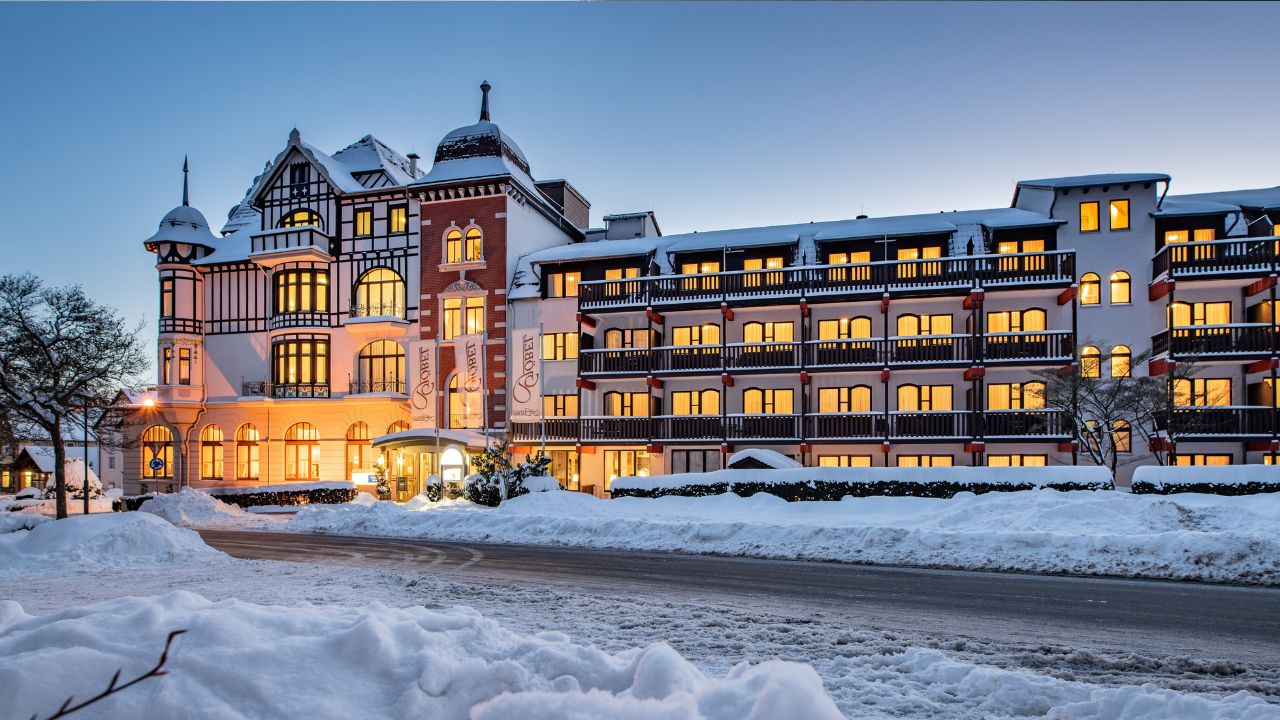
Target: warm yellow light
<point>149,402</point>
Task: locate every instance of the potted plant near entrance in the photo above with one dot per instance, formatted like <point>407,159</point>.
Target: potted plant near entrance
<point>383,485</point>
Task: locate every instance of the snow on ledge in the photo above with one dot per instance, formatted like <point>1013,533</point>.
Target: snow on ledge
<point>1036,476</point>
<point>1162,475</point>
<point>771,458</point>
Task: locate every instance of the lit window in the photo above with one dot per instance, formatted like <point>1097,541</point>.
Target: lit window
<point>1121,360</point>
<point>624,463</point>
<point>302,291</point>
<point>1119,215</point>
<point>849,258</point>
<point>693,402</point>
<point>924,461</point>
<point>626,404</point>
<point>924,398</point>
<point>1120,288</point>
<point>1183,314</point>
<point>301,452</point>
<point>1017,460</point>
<point>247,463</point>
<point>560,405</point>
<point>379,293</point>
<point>1088,217</point>
<point>466,409</point>
<point>364,223</point>
<point>380,368</point>
<point>1202,392</point>
<point>211,453</point>
<point>913,269</point>
<point>915,325</point>
<point>166,371</point>
<point>621,273</point>
<point>475,245</point>
<point>453,246</point>
<point>301,366</point>
<point>1090,289</point>
<point>560,346</point>
<point>564,284</point>
<point>856,399</point>
<point>700,268</point>
<point>844,328</point>
<point>767,402</point>
<point>768,332</point>
<point>708,334</point>
<point>300,218</point>
<point>1012,247</point>
<point>157,445</point>
<point>1204,235</point>
<point>463,316</point>
<point>616,338</point>
<point>399,219</point>
<point>166,297</point>
<point>1201,459</point>
<point>184,366</point>
<point>1015,396</point>
<point>1014,321</point>
<point>1176,236</point>
<point>358,448</point>
<point>754,279</point>
<point>1090,362</point>
<point>1121,437</point>
<point>844,461</point>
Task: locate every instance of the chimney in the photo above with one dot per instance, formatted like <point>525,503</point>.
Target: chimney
<point>413,164</point>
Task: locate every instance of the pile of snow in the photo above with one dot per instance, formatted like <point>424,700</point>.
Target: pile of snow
<point>49,508</point>
<point>74,481</point>
<point>279,487</point>
<point>961,476</point>
<point>1162,477</point>
<point>195,508</point>
<point>12,522</point>
<point>541,483</point>
<point>243,660</point>
<point>1188,536</point>
<point>768,458</point>
<point>111,539</point>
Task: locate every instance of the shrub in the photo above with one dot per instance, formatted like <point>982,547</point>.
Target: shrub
<point>482,489</point>
<point>829,490</point>
<point>321,495</point>
<point>1143,487</point>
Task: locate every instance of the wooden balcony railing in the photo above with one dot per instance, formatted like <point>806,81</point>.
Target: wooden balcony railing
<point>688,427</point>
<point>1238,340</point>
<point>1217,258</point>
<point>847,426</point>
<point>930,349</point>
<point>687,359</point>
<point>180,325</point>
<point>860,352</point>
<point>284,239</point>
<point>615,361</point>
<point>615,429</point>
<point>556,429</point>
<point>1057,345</point>
<point>1024,423</point>
<point>762,356</point>
<point>930,425</point>
<point>1234,421</point>
<point>763,427</point>
<point>817,282</point>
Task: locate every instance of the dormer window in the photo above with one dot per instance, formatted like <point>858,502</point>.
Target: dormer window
<point>300,218</point>
<point>563,284</point>
<point>299,173</point>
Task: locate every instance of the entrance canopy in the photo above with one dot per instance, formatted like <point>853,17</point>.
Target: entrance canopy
<point>420,437</point>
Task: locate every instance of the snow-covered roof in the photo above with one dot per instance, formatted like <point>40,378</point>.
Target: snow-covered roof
<point>462,137</point>
<point>1260,198</point>
<point>335,172</point>
<point>44,459</point>
<point>1174,206</point>
<point>1074,181</point>
<point>369,154</point>
<point>183,224</point>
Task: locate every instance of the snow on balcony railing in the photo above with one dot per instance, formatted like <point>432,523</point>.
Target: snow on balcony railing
<point>1233,256</point>
<point>294,238</point>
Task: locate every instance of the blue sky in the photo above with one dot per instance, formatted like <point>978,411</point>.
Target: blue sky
<point>714,116</point>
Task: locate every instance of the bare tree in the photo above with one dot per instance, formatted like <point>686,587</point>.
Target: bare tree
<point>1108,407</point>
<point>59,353</point>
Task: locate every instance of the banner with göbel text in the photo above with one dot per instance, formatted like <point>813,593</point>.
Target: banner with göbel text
<point>421,375</point>
<point>526,376</point>
<point>468,363</point>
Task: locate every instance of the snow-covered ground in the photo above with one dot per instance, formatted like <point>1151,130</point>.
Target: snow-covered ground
<point>1185,536</point>
<point>276,639</point>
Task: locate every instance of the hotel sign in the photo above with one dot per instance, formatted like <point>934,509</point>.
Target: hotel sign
<point>422,383</point>
<point>526,377</point>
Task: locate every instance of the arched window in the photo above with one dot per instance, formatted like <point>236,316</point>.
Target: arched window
<point>247,452</point>
<point>302,452</point>
<point>211,452</point>
<point>1090,362</point>
<point>358,449</point>
<point>844,328</point>
<point>157,445</point>
<point>1090,289</point>
<point>475,245</point>
<point>397,426</point>
<point>379,293</point>
<point>768,401</point>
<point>1122,436</point>
<point>1120,288</point>
<point>380,368</point>
<point>464,408</point>
<point>1121,360</point>
<point>301,218</point>
<point>453,246</point>
<point>856,399</point>
<point>693,402</point>
<point>1179,314</point>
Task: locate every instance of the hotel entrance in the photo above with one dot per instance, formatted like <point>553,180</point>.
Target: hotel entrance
<point>419,456</point>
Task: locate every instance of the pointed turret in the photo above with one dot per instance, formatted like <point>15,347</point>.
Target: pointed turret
<point>485,87</point>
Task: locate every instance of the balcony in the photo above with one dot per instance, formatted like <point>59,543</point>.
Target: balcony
<point>763,428</point>
<point>688,428</point>
<point>818,283</point>
<point>552,429</point>
<point>847,426</point>
<point>288,320</point>
<point>369,387</point>
<point>617,362</point>
<point>300,390</point>
<point>1241,257</point>
<point>691,359</point>
<point>762,357</point>
<point>393,311</point>
<point>633,430</point>
<point>935,350</point>
<point>843,354</point>
<point>300,244</point>
<point>1222,423</point>
<point>937,425</point>
<point>1237,341</point>
<point>1025,423</point>
<point>1028,347</point>
<point>180,325</point>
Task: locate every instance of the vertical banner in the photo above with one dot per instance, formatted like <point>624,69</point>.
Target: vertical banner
<point>526,376</point>
<point>467,363</point>
<point>421,375</point>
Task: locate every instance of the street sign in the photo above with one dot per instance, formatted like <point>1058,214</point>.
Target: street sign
<point>156,464</point>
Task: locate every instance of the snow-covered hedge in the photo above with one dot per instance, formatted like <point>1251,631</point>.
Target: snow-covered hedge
<point>1211,479</point>
<point>310,493</point>
<point>827,483</point>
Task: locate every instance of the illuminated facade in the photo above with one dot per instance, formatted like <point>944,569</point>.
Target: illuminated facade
<point>354,304</point>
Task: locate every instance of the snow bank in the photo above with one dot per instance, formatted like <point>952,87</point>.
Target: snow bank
<point>244,660</point>
<point>1188,536</point>
<point>50,507</point>
<point>279,487</point>
<point>770,458</point>
<point>195,508</point>
<point>541,483</point>
<point>966,476</point>
<point>112,539</point>
<point>1164,478</point>
<point>12,522</point>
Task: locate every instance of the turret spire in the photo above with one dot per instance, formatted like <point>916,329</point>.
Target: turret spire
<point>484,101</point>
<point>185,197</point>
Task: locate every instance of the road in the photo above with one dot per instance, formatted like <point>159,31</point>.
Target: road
<point>1116,617</point>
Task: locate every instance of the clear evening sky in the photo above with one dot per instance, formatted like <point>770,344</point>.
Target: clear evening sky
<point>714,116</point>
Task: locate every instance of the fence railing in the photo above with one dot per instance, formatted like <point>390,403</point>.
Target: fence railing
<point>1240,256</point>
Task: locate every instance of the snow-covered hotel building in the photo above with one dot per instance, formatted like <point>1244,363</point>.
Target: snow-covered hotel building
<point>356,306</point>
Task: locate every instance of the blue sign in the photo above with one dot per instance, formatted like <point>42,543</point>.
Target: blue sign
<point>156,464</point>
